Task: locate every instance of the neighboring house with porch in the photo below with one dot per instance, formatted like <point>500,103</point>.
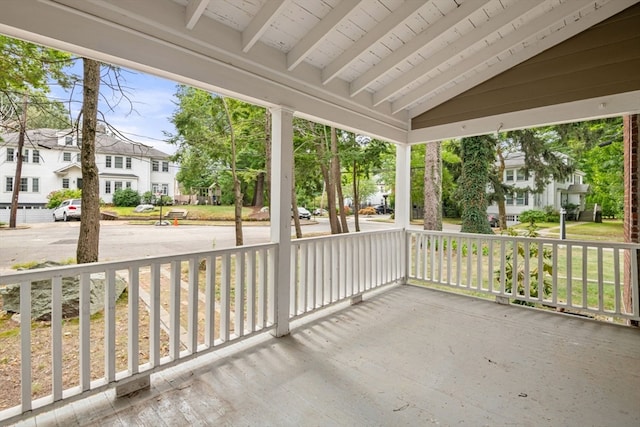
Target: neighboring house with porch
<point>569,193</point>
<point>51,161</point>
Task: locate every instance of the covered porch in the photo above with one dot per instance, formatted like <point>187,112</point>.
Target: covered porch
<point>404,356</point>
<point>263,334</point>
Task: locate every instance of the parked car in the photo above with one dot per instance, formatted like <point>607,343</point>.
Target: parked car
<point>68,209</point>
<point>303,213</point>
<point>320,212</point>
<point>493,220</point>
<point>381,209</point>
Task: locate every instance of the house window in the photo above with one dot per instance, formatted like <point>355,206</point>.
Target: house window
<point>66,157</point>
<point>107,161</point>
<point>165,189</point>
<point>522,175</point>
<point>79,183</point>
<point>160,188</point>
<point>128,163</point>
<point>522,198</point>
<point>10,155</point>
<point>509,175</point>
<point>24,184</point>
<point>508,199</point>
<point>107,187</point>
<point>165,166</point>
<point>35,156</point>
<point>118,185</point>
<point>117,162</point>
<point>68,140</point>
<point>25,156</point>
<point>35,185</point>
<point>65,182</point>
<point>155,166</point>
<point>128,184</point>
<point>8,186</point>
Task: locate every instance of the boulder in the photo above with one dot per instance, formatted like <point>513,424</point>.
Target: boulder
<point>41,295</point>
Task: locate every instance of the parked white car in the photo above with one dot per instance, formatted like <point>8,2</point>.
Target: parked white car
<point>69,209</point>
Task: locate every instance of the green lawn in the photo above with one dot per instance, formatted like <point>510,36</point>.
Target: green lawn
<point>194,212</point>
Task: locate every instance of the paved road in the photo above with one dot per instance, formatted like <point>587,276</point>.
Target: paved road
<point>119,240</point>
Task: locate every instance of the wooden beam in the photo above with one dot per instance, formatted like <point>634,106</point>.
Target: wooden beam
<point>195,9</point>
<point>319,32</point>
<point>260,23</point>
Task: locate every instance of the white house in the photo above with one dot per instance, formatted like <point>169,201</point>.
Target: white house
<point>557,194</point>
<point>51,161</point>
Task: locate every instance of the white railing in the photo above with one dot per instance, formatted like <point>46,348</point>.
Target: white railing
<point>326,270</point>
<point>577,276</point>
<point>175,308</point>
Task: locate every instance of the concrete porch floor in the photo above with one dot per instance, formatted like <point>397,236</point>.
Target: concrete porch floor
<point>407,356</point>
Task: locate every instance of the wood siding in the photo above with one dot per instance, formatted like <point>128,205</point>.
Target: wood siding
<point>603,60</point>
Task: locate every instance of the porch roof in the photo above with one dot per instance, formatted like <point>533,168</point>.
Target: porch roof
<point>406,356</point>
<point>401,71</point>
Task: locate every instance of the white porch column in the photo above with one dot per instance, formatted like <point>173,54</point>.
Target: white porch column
<point>403,200</point>
<point>403,185</point>
<point>280,210</point>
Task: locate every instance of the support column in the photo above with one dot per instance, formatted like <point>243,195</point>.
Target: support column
<point>403,185</point>
<point>280,211</point>
<point>403,201</point>
<point>631,207</point>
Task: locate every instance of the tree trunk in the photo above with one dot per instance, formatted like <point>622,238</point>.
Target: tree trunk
<point>331,194</point>
<point>356,198</point>
<point>18,175</point>
<point>258,194</point>
<point>337,181</point>
<point>89,238</point>
<point>477,157</point>
<point>237,191</point>
<point>294,205</point>
<point>267,147</point>
<point>499,190</point>
<point>433,186</point>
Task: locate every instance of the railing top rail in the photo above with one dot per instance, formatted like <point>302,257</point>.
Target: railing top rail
<point>589,243</point>
<point>98,267</point>
<point>347,235</point>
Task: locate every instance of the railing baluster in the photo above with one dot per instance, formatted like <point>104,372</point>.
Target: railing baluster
<point>503,275</point>
<point>635,310</point>
<point>225,297</point>
<point>527,277</point>
<point>192,305</point>
<point>294,274</point>
<point>490,268</point>
<point>271,285</point>
<point>133,320</point>
<point>262,289</point>
<point>541,272</point>
<point>459,262</point>
<point>154,316</point>
<point>25,346</point>
<point>56,337</point>
<point>251,291</point>
<point>514,271</point>
<point>210,306</point>
<point>174,311</point>
<point>554,278</point>
<point>479,259</point>
<point>85,332</point>
<point>239,294</point>
<point>569,275</point>
<point>585,275</point>
<point>302,280</point>
<point>600,281</point>
<point>110,327</point>
<point>617,280</point>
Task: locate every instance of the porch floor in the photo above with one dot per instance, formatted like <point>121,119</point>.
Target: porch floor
<point>407,356</point>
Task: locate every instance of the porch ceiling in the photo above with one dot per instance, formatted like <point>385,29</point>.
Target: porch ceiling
<point>364,65</point>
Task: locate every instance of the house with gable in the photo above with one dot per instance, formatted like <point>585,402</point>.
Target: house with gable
<point>51,161</point>
<point>569,193</point>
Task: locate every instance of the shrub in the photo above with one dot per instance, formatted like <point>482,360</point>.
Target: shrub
<point>147,198</point>
<point>126,197</point>
<point>57,197</point>
<point>367,211</point>
<point>532,216</point>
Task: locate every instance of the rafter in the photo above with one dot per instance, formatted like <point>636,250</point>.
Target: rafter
<point>454,49</point>
<point>260,23</point>
<point>370,38</point>
<point>431,34</point>
<point>319,32</point>
<point>559,13</point>
<point>195,9</point>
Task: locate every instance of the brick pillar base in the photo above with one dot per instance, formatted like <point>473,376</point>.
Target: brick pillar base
<point>631,201</point>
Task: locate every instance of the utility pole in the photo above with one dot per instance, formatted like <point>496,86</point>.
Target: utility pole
<point>18,174</point>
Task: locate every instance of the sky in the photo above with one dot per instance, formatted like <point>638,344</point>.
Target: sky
<point>153,104</point>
